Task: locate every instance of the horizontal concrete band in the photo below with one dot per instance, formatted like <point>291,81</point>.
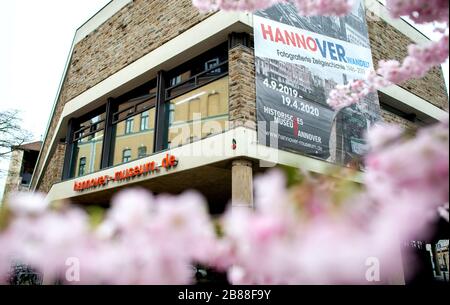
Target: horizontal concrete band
<point>201,153</point>
<point>99,18</point>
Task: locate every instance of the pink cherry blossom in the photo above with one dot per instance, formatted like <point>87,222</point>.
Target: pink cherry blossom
<point>233,5</point>
<point>421,11</point>
<point>45,241</point>
<point>324,7</point>
<point>305,234</point>
<point>389,170</point>
<point>443,212</point>
<point>130,208</point>
<point>383,134</point>
<point>27,203</point>
<point>419,61</point>
<point>305,7</point>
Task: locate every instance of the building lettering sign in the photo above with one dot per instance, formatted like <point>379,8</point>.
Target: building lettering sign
<point>167,163</point>
<point>298,61</point>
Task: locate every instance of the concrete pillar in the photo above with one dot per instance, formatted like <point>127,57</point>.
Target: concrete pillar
<point>242,183</point>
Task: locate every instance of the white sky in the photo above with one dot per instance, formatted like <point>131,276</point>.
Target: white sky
<point>36,39</point>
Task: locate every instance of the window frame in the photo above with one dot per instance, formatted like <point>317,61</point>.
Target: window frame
<point>82,165</point>
<point>145,119</point>
<point>159,92</point>
<point>129,126</point>
<point>196,83</point>
<point>128,157</point>
<point>93,127</point>
<point>139,156</point>
<point>75,133</point>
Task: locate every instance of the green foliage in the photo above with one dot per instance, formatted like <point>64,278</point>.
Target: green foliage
<point>96,215</point>
<point>293,176</point>
<point>5,215</point>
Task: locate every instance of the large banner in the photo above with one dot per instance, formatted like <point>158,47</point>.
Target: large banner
<point>299,60</point>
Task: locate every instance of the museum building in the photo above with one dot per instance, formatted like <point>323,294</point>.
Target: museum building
<point>158,95</point>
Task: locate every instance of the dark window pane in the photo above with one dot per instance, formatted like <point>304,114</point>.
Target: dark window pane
<point>142,151</point>
<point>126,155</point>
<point>129,124</point>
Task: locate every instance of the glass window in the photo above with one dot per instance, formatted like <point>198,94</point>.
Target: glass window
<point>144,120</point>
<point>184,81</point>
<point>142,151</point>
<point>88,144</point>
<point>82,166</point>
<point>198,71</point>
<point>126,155</point>
<point>138,108</point>
<point>129,125</point>
<point>211,64</point>
<point>200,113</point>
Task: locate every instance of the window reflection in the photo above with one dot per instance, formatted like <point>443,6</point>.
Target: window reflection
<point>134,129</point>
<point>129,125</point>
<point>88,143</point>
<point>199,113</point>
<point>144,120</point>
<point>196,96</point>
<point>142,151</point>
<point>126,155</point>
<point>82,166</point>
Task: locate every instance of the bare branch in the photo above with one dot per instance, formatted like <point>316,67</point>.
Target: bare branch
<point>12,134</point>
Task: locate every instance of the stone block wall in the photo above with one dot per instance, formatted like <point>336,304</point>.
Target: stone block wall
<point>242,95</point>
<point>13,178</point>
<point>389,43</point>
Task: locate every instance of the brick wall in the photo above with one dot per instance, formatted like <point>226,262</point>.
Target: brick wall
<point>392,118</point>
<point>431,87</point>
<point>242,89</point>
<point>134,31</point>
<point>13,178</point>
<point>53,172</point>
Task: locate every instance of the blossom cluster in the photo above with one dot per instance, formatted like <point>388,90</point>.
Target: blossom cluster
<point>410,172</point>
<point>142,240</point>
<point>419,61</point>
<point>307,236</point>
<point>320,231</point>
<point>305,7</point>
<point>420,11</point>
<point>233,5</point>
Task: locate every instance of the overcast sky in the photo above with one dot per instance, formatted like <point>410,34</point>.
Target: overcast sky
<point>36,40</point>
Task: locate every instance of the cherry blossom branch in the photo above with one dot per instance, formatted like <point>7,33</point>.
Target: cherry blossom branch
<point>419,61</point>
<point>417,64</point>
<point>319,231</point>
<point>420,11</point>
<point>305,7</point>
